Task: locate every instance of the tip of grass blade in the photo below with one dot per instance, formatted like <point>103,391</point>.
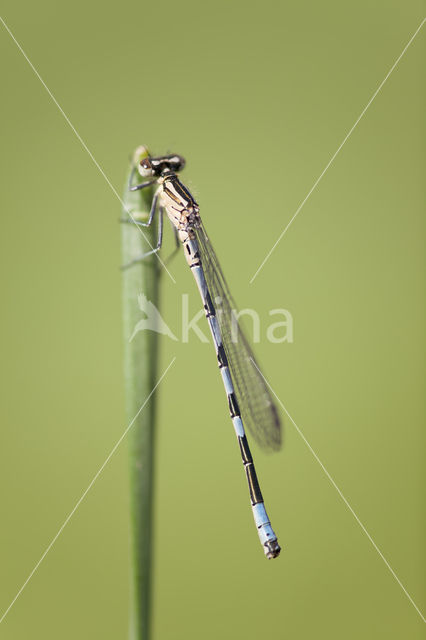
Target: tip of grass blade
<point>140,153</point>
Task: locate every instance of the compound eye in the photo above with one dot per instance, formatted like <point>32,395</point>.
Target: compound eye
<point>145,167</point>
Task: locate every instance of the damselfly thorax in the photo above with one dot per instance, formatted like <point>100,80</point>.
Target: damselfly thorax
<point>178,203</point>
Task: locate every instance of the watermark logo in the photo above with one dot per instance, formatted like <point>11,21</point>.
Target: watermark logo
<point>279,328</point>
<point>152,321</point>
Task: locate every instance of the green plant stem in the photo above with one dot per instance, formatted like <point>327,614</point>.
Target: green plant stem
<point>140,370</point>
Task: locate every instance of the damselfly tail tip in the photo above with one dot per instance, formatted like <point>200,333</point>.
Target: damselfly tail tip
<point>272,549</point>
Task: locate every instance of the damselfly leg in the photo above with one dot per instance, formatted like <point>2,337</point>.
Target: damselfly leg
<point>159,239</point>
<point>142,185</point>
<point>177,246</point>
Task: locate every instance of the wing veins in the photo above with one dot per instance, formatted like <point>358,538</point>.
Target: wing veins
<point>258,410</point>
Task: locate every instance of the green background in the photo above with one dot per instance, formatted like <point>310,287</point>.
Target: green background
<point>257,97</point>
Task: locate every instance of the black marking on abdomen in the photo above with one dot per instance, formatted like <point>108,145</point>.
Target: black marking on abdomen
<point>195,255</point>
<point>253,483</point>
<point>245,449</point>
<point>221,356</point>
<point>208,306</point>
<point>233,405</point>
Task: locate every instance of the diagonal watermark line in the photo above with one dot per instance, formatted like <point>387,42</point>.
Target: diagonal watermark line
<point>83,144</point>
<point>84,494</point>
<point>330,162</point>
<point>299,431</point>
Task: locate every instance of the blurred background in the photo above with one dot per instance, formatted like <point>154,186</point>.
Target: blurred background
<point>257,98</point>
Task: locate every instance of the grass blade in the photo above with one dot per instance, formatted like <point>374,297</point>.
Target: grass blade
<point>140,370</point>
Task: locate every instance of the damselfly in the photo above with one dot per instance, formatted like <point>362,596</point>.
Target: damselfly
<point>248,396</point>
